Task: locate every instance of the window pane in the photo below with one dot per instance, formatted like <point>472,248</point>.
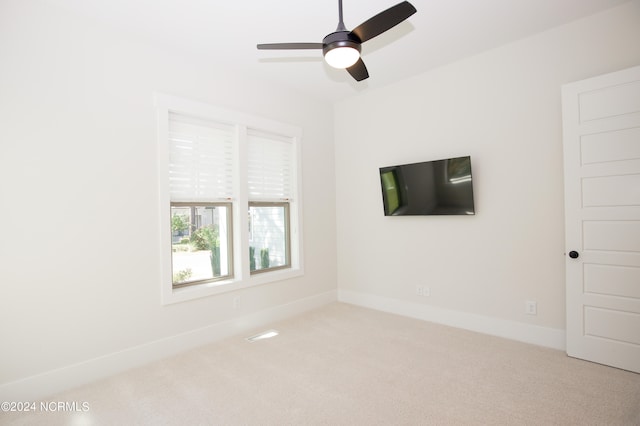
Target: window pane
<point>200,236</point>
<point>268,236</point>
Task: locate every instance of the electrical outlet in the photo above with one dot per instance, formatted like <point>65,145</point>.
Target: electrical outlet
<point>423,291</point>
<point>531,307</point>
<point>236,302</point>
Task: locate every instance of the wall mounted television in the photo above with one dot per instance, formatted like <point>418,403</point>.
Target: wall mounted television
<point>440,187</point>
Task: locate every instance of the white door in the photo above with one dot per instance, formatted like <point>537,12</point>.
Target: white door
<point>601,123</point>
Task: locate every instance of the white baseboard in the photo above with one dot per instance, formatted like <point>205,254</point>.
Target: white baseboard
<point>537,335</point>
<point>55,381</point>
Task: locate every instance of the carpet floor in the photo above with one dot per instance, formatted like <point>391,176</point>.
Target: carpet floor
<point>347,365</point>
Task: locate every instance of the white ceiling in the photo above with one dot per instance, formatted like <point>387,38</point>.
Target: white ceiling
<point>226,33</point>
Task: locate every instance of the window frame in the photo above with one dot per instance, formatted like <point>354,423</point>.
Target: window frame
<point>287,236</point>
<point>244,123</point>
<point>229,241</point>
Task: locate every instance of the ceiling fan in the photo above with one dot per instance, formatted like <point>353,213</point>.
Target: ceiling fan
<point>341,49</point>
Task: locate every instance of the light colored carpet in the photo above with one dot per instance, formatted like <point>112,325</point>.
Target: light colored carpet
<point>346,365</point>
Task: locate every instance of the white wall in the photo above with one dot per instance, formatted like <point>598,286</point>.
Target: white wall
<point>503,108</point>
<point>79,256</point>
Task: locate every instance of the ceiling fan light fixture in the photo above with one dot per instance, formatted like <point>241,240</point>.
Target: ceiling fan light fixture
<point>341,49</point>
<point>342,57</point>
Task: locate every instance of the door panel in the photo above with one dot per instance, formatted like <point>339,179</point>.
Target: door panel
<point>611,191</point>
<point>621,235</point>
<point>610,146</point>
<point>601,132</point>
<point>612,280</point>
<point>610,100</point>
<point>612,324</point>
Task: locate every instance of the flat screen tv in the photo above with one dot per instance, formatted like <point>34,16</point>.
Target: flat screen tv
<point>441,187</point>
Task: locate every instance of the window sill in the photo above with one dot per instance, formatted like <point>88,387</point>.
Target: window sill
<point>172,295</point>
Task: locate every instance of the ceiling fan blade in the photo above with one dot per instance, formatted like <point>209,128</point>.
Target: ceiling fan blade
<point>384,21</point>
<point>290,46</point>
<point>358,70</point>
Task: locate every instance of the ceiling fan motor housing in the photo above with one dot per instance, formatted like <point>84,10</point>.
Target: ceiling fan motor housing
<point>341,39</point>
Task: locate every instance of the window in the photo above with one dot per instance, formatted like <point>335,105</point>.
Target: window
<point>200,175</point>
<point>270,187</point>
<point>200,242</point>
<point>268,236</point>
<point>230,204</point>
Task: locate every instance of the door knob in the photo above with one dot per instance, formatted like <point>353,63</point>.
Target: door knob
<point>574,254</point>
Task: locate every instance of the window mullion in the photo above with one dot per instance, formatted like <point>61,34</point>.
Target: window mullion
<point>241,212</point>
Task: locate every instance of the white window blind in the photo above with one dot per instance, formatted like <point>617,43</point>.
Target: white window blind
<point>200,159</point>
<point>270,167</point>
